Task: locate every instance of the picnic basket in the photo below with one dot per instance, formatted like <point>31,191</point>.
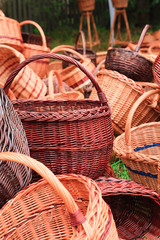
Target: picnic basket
<point>83,51</point>
<point>122,92</point>
<point>135,208</point>
<point>72,75</point>
<point>26,84</point>
<point>13,176</point>
<point>139,148</point>
<point>40,67</point>
<point>130,63</point>
<point>156,70</point>
<point>63,207</point>
<point>10,33</point>
<point>68,136</point>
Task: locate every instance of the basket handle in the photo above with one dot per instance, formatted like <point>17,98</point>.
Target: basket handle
<point>145,29</point>
<point>100,93</point>
<point>44,43</point>
<point>77,217</point>
<point>68,49</point>
<point>81,34</point>
<point>130,117</point>
<point>99,66</point>
<point>50,83</point>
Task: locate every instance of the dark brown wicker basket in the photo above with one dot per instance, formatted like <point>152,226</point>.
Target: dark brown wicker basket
<point>67,135</point>
<point>85,52</point>
<point>35,39</point>
<point>130,63</point>
<point>135,208</point>
<point>13,176</point>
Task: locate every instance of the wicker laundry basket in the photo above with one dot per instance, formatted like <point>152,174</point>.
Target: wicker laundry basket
<point>72,75</point>
<point>63,207</point>
<point>40,67</point>
<point>13,176</point>
<point>10,33</point>
<point>135,208</point>
<point>139,148</point>
<point>122,92</point>
<point>26,84</point>
<point>68,136</point>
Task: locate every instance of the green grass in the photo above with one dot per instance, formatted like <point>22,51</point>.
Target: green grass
<point>119,169</point>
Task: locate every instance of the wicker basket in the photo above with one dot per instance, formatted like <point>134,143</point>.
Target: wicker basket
<point>10,33</point>
<point>156,69</point>
<point>64,207</point>
<point>26,84</point>
<point>120,3</point>
<point>139,148</point>
<point>85,52</point>
<point>135,208</point>
<point>88,5</point>
<point>35,39</point>
<point>13,176</point>
<point>130,63</point>
<point>67,135</point>
<point>122,93</point>
<point>40,67</point>
<point>72,75</point>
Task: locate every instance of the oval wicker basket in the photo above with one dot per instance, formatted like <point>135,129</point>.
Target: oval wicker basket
<point>13,176</point>
<point>130,63</point>
<point>68,136</point>
<point>139,148</point>
<point>64,207</point>
<point>122,93</point>
<point>10,33</point>
<point>135,208</point>
<point>26,84</point>
<point>88,5</point>
<point>40,67</point>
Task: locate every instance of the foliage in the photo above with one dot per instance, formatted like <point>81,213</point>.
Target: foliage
<point>120,170</point>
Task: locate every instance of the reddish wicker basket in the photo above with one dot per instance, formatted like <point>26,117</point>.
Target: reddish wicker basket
<point>156,69</point>
<point>67,135</point>
<point>135,208</point>
<point>64,207</point>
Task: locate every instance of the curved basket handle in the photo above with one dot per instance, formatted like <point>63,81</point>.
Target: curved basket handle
<point>130,117</point>
<point>50,83</point>
<point>67,49</point>
<point>81,34</point>
<point>75,213</point>
<point>99,66</point>
<point>100,93</point>
<point>142,37</point>
<point>44,43</point>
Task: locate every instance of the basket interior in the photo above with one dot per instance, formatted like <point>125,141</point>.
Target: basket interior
<point>136,217</point>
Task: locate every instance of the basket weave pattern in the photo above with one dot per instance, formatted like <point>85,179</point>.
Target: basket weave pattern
<point>156,70</point>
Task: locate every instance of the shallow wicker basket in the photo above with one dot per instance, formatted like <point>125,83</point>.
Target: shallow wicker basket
<point>26,84</point>
<point>122,93</point>
<point>40,67</point>
<point>13,176</point>
<point>135,208</point>
<point>68,136</point>
<point>139,148</point>
<point>64,207</point>
<point>10,33</point>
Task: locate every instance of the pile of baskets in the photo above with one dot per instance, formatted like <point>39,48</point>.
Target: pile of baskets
<point>52,129</point>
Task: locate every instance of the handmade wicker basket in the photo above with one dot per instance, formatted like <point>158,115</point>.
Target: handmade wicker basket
<point>40,67</point>
<point>26,84</point>
<point>88,5</point>
<point>120,3</point>
<point>10,33</point>
<point>122,93</point>
<point>135,208</point>
<point>64,207</point>
<point>139,147</point>
<point>72,75</point>
<point>67,135</point>
<point>13,176</point>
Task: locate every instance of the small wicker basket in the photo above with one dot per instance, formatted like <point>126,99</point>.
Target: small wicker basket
<point>63,207</point>
<point>120,3</point>
<point>40,67</point>
<point>139,148</point>
<point>10,33</point>
<point>88,5</point>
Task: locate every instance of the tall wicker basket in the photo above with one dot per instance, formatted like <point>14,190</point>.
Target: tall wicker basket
<point>68,136</point>
<point>63,207</point>
<point>139,148</point>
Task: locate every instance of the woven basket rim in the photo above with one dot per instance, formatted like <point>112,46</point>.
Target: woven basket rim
<point>36,47</point>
